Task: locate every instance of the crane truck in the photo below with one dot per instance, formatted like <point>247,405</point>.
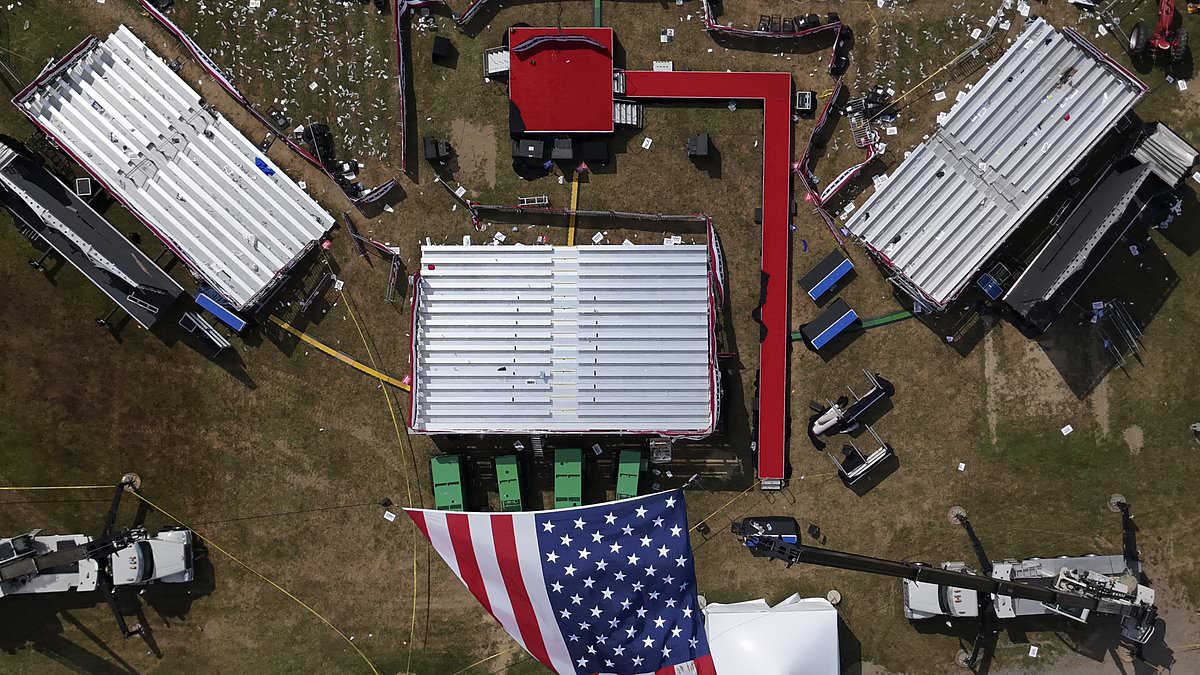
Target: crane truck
<point>1076,588</point>
<point>119,558</point>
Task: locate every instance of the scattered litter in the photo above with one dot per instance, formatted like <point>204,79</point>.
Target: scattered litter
<point>1133,250</point>
<point>339,284</point>
<point>597,238</point>
<point>313,86</point>
<point>976,33</point>
<point>942,118</point>
<point>597,449</point>
<point>627,243</point>
<point>939,96</point>
<point>389,516</point>
<point>892,131</point>
<point>499,236</point>
<point>1067,430</point>
<point>466,240</point>
<point>302,184</point>
<point>1033,650</point>
<point>1196,176</point>
<point>647,142</point>
<point>962,466</point>
<point>1182,84</point>
<point>1022,9</point>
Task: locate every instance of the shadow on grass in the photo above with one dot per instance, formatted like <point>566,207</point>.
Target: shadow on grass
<point>1142,282</point>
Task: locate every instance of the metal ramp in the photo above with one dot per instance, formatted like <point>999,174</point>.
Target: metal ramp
<point>619,82</point>
<point>536,200</point>
<point>627,113</point>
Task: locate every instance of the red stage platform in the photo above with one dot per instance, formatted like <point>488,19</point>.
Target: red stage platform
<point>775,91</point>
<point>562,80</point>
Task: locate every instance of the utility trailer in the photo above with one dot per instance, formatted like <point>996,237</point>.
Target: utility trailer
<point>568,478</point>
<point>508,482</point>
<point>446,474</point>
<point>629,473</point>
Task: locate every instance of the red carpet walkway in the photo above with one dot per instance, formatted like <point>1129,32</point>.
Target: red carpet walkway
<point>775,91</point>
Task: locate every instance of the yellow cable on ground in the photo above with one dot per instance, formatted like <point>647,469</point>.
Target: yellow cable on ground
<point>401,441</point>
<point>486,659</point>
<point>574,205</point>
<point>724,506</point>
<point>382,377</point>
<point>58,487</point>
<point>258,574</point>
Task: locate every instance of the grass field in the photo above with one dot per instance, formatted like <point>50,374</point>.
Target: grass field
<point>282,455</point>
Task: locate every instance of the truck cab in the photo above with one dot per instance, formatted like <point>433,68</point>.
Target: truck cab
<point>165,557</point>
<point>926,601</point>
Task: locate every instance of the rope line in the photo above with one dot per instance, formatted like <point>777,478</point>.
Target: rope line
<point>724,506</point>
<point>260,575</point>
<point>56,487</point>
<point>405,448</point>
<point>486,659</point>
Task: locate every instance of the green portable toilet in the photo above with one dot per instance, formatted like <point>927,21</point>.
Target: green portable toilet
<point>508,479</point>
<point>568,478</point>
<point>629,473</point>
<point>446,472</point>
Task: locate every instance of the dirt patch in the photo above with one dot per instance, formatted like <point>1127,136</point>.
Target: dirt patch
<point>990,374</point>
<point>1134,438</point>
<point>475,146</point>
<point>1021,377</point>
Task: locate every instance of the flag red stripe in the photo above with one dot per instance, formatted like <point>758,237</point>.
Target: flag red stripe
<point>518,596</point>
<point>418,518</point>
<point>459,526</point>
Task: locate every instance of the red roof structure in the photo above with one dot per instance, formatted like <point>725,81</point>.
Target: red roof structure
<point>561,80</point>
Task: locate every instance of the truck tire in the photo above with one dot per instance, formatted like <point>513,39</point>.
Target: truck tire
<point>1139,39</point>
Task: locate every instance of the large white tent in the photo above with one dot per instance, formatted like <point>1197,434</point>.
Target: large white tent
<point>1004,146</point>
<point>555,339</point>
<point>798,636</point>
<point>207,191</point>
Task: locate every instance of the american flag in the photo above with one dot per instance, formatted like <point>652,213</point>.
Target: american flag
<point>608,588</point>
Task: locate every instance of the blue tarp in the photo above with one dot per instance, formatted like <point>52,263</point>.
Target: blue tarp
<point>832,278</point>
<point>836,329</point>
<point>990,286</point>
<point>263,165</point>
<point>826,274</point>
<point>220,311</point>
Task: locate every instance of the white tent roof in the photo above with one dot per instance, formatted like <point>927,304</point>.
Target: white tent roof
<point>181,167</point>
<point>799,636</point>
<point>589,339</point>
<point>1010,140</point>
